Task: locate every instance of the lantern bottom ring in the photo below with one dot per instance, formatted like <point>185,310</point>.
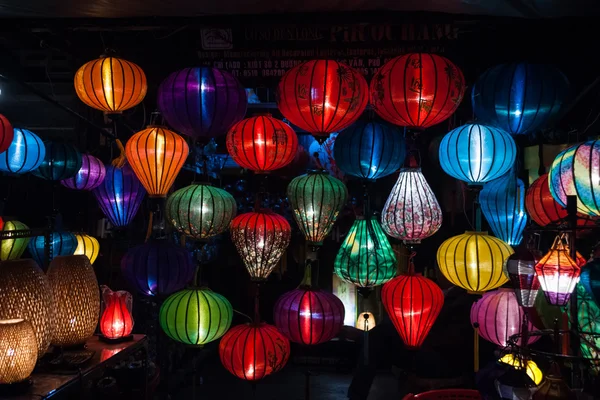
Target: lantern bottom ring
<point>122,339</point>
<point>474,292</point>
<point>412,241</point>
<point>14,389</point>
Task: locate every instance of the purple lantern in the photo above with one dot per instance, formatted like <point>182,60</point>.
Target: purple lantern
<point>90,175</point>
<point>202,102</point>
<point>120,195</point>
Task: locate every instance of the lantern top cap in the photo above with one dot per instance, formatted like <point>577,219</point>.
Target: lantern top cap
<point>482,233</point>
<point>317,171</point>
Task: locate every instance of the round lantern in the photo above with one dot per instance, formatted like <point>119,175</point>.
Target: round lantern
<point>262,143</point>
<point>365,258</point>
<point>156,155</point>
<point>61,244</point>
<point>541,206</point>
<point>76,300</point>
<point>200,211</point>
<point>120,195</point>
<point>6,133</point>
<point>62,161</point>
<point>18,351</point>
<point>520,268</point>
<point>13,247</point>
<point>261,238</point>
<point>316,200</point>
<point>202,102</point>
<point>25,153</point>
<point>365,321</point>
<point>253,351</point>
<point>474,261</point>
<point>322,96</point>
<point>110,84</point>
<point>25,293</point>
<point>88,246</point>
<point>477,154</point>
<point>90,175</point>
<point>157,267</point>
<point>195,316</point>
<point>369,150</point>
<point>417,90</point>
<point>411,212</point>
<point>590,279</point>
<point>519,98</point>
<point>116,321</point>
<point>558,274</point>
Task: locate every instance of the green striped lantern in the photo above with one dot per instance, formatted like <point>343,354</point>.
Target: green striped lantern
<point>195,316</point>
<point>13,248</point>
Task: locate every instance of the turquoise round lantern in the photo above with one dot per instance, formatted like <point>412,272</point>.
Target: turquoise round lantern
<point>61,244</point>
<point>62,161</point>
<point>25,153</point>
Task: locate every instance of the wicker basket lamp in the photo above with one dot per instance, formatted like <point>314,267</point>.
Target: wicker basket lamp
<point>18,350</point>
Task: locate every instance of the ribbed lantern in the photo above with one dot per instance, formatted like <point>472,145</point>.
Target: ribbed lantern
<point>588,320</point>
<point>88,246</point>
<point>417,90</point>
<point>62,161</point>
<point>520,268</point>
<point>541,206</point>
<point>558,274</point>
<point>253,351</point>
<point>110,84</point>
<point>590,278</point>
<point>12,248</point>
<point>411,212</point>
<point>262,143</point>
<point>25,153</point>
<point>6,133</point>
<point>322,96</point>
<point>120,195</point>
<point>369,150</point>
<point>116,321</point>
<point>316,200</point>
<point>156,155</point>
<point>90,175</point>
<point>18,352</point>
<point>61,244</point>
<point>518,362</point>
<point>260,238</point>
<point>474,261</point>
<point>202,102</point>
<point>365,258</point>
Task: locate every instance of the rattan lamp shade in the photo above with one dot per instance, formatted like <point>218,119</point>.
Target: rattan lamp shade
<point>18,351</point>
<point>13,248</point>
<point>77,299</point>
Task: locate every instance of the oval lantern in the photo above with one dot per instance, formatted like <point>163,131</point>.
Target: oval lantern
<point>477,154</point>
<point>322,96</point>
<point>6,133</point>
<point>90,175</point>
<point>369,150</point>
<point>195,316</point>
<point>13,247</point>
<point>253,351</point>
<point>202,102</point>
<point>519,98</point>
<point>18,352</point>
<point>474,261</point>
<point>61,244</point>
<point>25,153</point>
<point>590,279</point>
<point>558,273</point>
<point>417,90</point>
<point>520,269</point>
<point>62,161</point>
<point>88,246</point>
<point>110,84</point>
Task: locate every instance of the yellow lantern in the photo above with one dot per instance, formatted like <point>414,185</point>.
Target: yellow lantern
<point>532,370</point>
<point>18,350</point>
<point>474,261</point>
<point>365,321</point>
<point>87,246</point>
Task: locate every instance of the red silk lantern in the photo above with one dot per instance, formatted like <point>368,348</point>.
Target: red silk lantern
<point>6,133</point>
<point>558,274</point>
<point>322,96</point>
<point>262,143</point>
<point>116,321</point>
<point>253,351</point>
<point>417,90</point>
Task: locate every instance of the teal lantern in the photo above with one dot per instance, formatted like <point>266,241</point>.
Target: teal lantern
<point>62,161</point>
<point>590,278</point>
<point>61,244</point>
<point>24,154</point>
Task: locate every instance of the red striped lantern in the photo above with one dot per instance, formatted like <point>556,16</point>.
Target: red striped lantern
<point>6,133</point>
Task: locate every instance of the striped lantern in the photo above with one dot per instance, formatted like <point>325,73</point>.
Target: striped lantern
<point>13,247</point>
<point>90,175</point>
<point>6,133</point>
<point>25,153</point>
<point>88,246</point>
<point>61,244</point>
<point>558,273</point>
<point>520,268</point>
<point>62,161</point>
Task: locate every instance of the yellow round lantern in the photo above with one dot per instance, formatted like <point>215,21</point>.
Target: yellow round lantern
<point>365,321</point>
<point>18,350</point>
<point>87,246</point>
<point>532,370</point>
<point>474,261</point>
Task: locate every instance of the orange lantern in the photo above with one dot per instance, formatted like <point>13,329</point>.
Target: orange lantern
<point>558,274</point>
<point>116,322</point>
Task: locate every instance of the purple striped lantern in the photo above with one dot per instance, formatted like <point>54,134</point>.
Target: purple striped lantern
<point>90,175</point>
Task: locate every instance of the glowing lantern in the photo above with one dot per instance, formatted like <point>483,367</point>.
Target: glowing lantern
<point>417,90</point>
<point>262,143</point>
<point>62,161</point>
<point>61,244</point>
<point>588,320</point>
<point>365,258</point>
<point>365,321</point>
<point>520,268</point>
<point>116,321</point>
<point>13,247</point>
<point>253,351</point>
<point>88,246</point>
<point>474,261</point>
<point>6,133</point>
<point>25,153</point>
<point>531,368</point>
<point>558,274</point>
<point>90,175</point>
<point>110,84</point>
<point>322,96</point>
<point>156,155</point>
<point>316,200</point>
<point>590,278</point>
<point>321,156</point>
<point>18,351</point>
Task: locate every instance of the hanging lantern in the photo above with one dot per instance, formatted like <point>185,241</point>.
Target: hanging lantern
<point>590,278</point>
<point>558,273</point>
<point>6,133</point>
<point>316,200</point>
<point>62,161</point>
<point>76,300</point>
<point>253,351</point>
<point>13,247</point>
<point>202,102</point>
<point>260,238</point>
<point>18,351</point>
<point>120,195</point>
<point>517,362</point>
<point>477,154</point>
<point>417,90</point>
<point>541,206</point>
<point>322,96</point>
<point>156,155</point>
<point>369,150</point>
<point>25,153</point>
<point>365,258</point>
<point>411,212</point>
<point>90,175</point>
<point>88,246</point>
<point>61,244</point>
<point>520,268</point>
<point>474,261</point>
<point>116,321</point>
<point>519,98</point>
<point>588,320</point>
<point>321,156</point>
<point>200,211</point>
<point>195,316</point>
<point>110,84</point>
<point>365,321</point>
<point>262,143</point>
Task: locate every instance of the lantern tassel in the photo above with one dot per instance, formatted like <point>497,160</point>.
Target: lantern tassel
<point>476,347</point>
<point>119,162</point>
<point>149,230</point>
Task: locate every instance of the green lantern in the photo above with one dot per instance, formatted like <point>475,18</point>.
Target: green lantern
<point>316,199</point>
<point>195,316</point>
<point>366,257</point>
<point>13,248</point>
<point>588,317</point>
<point>201,211</point>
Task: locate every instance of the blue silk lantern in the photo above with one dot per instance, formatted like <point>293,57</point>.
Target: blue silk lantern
<point>62,161</point>
<point>369,150</point>
<point>61,244</point>
<point>25,153</point>
<point>590,279</point>
<point>477,154</point>
<point>519,98</point>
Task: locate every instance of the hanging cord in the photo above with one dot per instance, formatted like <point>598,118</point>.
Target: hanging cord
<point>476,347</point>
<point>118,162</point>
<point>366,338</point>
<point>256,304</point>
<point>411,263</point>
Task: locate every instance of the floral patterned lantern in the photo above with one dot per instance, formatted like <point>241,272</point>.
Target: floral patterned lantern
<point>520,268</point>
<point>13,247</point>
<point>90,175</point>
<point>558,274</point>
<point>116,322</point>
<point>62,161</point>
<point>24,154</point>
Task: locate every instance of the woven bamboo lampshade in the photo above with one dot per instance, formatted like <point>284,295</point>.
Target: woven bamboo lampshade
<point>88,246</point>
<point>18,351</point>
<point>13,248</point>
<point>77,299</point>
<point>25,293</point>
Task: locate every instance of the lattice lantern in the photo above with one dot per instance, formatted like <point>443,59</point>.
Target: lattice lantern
<point>90,175</point>
<point>520,268</point>
<point>18,352</point>
<point>62,161</point>
<point>558,273</point>
<point>13,247</point>
<point>24,154</point>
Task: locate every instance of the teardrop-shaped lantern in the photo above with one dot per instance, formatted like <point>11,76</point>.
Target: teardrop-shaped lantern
<point>61,244</point>
<point>558,274</point>
<point>13,247</point>
<point>88,246</point>
<point>25,153</point>
<point>62,161</point>
<point>520,268</point>
<point>6,133</point>
<point>90,175</point>
<point>116,321</point>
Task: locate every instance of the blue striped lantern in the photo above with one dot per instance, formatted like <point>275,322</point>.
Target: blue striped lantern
<point>61,244</point>
<point>25,153</point>
<point>62,161</point>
